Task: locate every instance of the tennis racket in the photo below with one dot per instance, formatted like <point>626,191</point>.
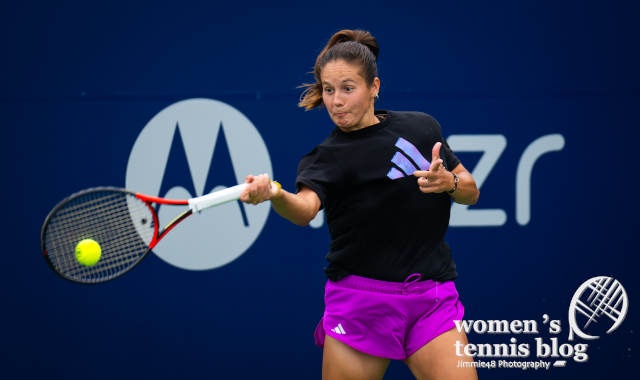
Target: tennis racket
<point>122,222</point>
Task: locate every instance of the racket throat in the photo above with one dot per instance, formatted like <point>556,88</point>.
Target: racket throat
<point>156,239</point>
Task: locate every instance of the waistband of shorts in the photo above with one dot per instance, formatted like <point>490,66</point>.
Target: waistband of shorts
<point>411,284</point>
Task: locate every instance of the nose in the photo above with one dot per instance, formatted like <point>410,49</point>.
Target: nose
<point>338,101</point>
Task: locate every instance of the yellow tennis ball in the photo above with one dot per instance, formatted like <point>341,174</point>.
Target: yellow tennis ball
<point>88,252</point>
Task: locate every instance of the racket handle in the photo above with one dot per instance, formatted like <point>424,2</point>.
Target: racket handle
<point>216,198</point>
<point>219,197</point>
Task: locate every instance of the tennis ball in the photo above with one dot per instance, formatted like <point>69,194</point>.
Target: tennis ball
<point>88,252</point>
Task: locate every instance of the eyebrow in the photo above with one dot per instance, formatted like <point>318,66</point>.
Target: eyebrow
<point>343,81</point>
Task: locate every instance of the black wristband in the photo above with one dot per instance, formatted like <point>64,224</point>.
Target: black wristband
<point>455,183</point>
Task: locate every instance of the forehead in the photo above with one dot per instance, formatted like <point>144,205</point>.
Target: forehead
<point>340,70</point>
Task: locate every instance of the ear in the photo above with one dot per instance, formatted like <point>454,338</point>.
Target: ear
<point>375,87</point>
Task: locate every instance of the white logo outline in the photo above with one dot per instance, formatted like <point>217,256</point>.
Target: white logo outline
<point>608,297</point>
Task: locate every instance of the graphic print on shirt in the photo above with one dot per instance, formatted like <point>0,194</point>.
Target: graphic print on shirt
<point>408,159</point>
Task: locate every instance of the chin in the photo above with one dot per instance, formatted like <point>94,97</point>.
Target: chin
<point>343,123</point>
<point>345,126</point>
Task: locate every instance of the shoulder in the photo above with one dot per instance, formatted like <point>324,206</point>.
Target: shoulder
<point>415,119</point>
<point>321,154</point>
<point>412,116</point>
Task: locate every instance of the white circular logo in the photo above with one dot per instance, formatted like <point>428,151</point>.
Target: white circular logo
<point>192,148</point>
<point>596,298</point>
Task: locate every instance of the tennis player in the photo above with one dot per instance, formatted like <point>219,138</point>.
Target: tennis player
<point>385,180</point>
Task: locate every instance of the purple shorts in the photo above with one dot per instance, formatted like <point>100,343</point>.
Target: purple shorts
<point>388,319</point>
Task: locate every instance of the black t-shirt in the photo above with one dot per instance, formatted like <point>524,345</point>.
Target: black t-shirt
<point>381,225</point>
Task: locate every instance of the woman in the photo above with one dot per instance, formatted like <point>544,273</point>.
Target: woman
<point>390,291</point>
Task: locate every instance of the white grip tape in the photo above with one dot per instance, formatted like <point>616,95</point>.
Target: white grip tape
<point>219,197</point>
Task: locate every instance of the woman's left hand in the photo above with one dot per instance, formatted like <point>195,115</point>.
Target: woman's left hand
<point>437,179</point>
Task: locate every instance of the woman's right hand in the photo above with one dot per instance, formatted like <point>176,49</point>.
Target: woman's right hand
<point>259,189</point>
<point>299,208</point>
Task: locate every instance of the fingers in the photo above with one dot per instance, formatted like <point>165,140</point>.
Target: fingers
<point>244,197</point>
<point>436,165</point>
<point>428,186</point>
<point>423,180</point>
<point>436,162</point>
<point>258,189</point>
<point>431,181</point>
<point>435,152</point>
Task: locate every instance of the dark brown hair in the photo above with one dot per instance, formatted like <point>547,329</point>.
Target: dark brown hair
<point>350,45</point>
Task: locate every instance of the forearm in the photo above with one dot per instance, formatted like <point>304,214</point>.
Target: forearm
<point>298,208</point>
<point>466,193</point>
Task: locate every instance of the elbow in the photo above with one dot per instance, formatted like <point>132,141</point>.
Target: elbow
<point>469,199</point>
<point>474,198</point>
<point>307,216</point>
<point>303,221</point>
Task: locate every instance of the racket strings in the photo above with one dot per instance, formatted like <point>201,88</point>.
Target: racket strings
<point>115,221</point>
<point>122,224</point>
<point>107,261</point>
<point>66,221</point>
<point>109,224</point>
<point>127,245</point>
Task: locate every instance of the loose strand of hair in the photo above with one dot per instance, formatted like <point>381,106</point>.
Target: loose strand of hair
<point>311,97</point>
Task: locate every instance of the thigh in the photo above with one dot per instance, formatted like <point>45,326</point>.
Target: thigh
<point>342,362</point>
<point>438,360</point>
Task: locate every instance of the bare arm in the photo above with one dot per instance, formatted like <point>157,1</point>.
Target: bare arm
<point>298,208</point>
<point>439,180</point>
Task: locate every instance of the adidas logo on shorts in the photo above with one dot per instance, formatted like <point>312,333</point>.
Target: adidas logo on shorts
<point>338,329</point>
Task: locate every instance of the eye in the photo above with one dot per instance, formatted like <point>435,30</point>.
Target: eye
<point>348,89</point>
<point>328,90</point>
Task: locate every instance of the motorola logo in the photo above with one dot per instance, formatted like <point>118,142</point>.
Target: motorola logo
<point>191,148</point>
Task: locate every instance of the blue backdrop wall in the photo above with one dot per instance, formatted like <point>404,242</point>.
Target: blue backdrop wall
<point>82,87</point>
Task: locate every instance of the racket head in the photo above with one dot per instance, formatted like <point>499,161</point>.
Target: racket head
<point>123,225</point>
